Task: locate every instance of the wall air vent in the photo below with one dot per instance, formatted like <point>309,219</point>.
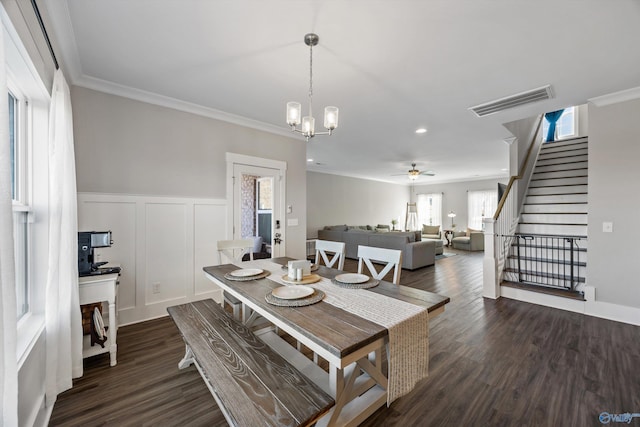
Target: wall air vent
<point>516,100</point>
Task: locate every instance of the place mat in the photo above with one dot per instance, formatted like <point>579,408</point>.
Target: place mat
<point>247,278</point>
<point>316,297</point>
<point>312,278</point>
<point>371,283</point>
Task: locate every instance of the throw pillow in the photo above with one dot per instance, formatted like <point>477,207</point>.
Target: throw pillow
<point>382,226</point>
<point>430,229</point>
<point>382,229</point>
<point>471,230</point>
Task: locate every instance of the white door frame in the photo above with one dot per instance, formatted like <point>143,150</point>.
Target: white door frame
<point>280,186</point>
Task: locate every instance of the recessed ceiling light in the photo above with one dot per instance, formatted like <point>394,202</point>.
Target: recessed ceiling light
<point>421,130</point>
<point>504,170</point>
<point>309,160</point>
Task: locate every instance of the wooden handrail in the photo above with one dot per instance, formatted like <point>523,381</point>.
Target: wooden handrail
<point>522,169</point>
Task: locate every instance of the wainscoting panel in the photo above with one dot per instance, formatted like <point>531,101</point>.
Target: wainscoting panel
<point>161,241</point>
<point>120,218</point>
<point>166,252</point>
<point>208,225</point>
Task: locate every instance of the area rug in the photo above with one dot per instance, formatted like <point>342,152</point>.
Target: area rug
<point>445,255</point>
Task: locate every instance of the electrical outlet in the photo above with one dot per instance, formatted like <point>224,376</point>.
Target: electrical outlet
<point>155,288</point>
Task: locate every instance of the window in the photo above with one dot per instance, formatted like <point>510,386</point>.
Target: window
<point>481,204</point>
<point>565,126</point>
<point>19,194</point>
<point>430,209</point>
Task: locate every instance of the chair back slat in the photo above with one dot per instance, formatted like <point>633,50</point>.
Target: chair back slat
<point>390,258</point>
<point>326,247</point>
<point>234,250</point>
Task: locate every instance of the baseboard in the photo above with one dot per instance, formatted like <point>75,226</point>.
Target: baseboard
<point>129,316</point>
<point>543,299</point>
<point>610,311</point>
<point>590,307</point>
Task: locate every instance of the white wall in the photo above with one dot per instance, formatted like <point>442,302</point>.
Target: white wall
<point>614,151</point>
<point>333,200</point>
<point>161,171</point>
<point>454,197</point>
<point>162,240</point>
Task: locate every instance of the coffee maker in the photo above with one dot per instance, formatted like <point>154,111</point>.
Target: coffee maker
<point>87,242</point>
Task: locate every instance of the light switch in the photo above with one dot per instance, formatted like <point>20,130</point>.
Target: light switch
<point>292,222</point>
<point>607,227</point>
<point>289,209</point>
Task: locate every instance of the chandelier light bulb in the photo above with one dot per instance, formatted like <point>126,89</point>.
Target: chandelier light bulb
<point>294,112</point>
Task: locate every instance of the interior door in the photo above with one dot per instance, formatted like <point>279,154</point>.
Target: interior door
<point>252,203</point>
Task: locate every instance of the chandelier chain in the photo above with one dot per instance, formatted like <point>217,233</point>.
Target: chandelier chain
<point>310,77</point>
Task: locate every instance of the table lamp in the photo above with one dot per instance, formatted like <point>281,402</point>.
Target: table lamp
<point>452,215</point>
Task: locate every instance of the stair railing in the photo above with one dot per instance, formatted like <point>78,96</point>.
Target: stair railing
<point>505,220</point>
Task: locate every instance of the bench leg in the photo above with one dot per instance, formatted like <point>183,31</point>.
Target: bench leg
<point>188,358</point>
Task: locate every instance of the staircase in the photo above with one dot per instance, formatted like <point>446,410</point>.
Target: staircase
<point>549,249</point>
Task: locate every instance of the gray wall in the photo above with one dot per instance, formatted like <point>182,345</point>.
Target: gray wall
<point>130,147</point>
<point>333,199</point>
<point>454,197</point>
<point>614,150</point>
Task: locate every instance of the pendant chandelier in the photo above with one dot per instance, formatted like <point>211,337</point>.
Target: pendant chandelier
<point>294,109</point>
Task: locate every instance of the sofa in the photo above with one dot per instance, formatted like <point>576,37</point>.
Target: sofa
<point>470,240</point>
<point>415,252</point>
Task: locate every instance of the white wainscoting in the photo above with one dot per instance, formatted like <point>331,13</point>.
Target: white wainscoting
<point>161,241</point>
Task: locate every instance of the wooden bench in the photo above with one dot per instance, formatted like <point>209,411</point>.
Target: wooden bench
<point>252,384</point>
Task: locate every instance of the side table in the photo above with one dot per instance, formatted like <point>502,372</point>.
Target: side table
<point>94,289</point>
<point>448,234</point>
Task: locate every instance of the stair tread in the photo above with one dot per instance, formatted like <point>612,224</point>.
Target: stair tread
<point>545,275</point>
<point>578,249</point>
<point>549,261</point>
<point>552,223</point>
<point>554,213</point>
<point>565,293</point>
<point>560,177</point>
<point>557,194</point>
<point>559,236</point>
<point>554,186</point>
<point>557,203</point>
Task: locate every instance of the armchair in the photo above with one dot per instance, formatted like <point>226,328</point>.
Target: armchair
<point>470,240</point>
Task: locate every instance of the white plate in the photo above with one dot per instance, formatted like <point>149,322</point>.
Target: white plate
<point>98,323</point>
<point>352,278</point>
<point>292,292</point>
<point>247,272</point>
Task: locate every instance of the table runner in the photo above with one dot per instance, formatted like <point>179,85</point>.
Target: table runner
<point>408,326</point>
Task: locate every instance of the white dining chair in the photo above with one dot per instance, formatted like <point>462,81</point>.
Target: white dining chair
<point>232,251</point>
<point>392,258</point>
<point>326,247</point>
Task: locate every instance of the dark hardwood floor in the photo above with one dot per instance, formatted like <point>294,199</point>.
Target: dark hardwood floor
<point>492,363</point>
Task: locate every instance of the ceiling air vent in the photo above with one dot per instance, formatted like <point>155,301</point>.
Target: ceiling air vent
<point>501,104</point>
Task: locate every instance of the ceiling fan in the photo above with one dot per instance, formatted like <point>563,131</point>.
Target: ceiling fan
<point>414,173</point>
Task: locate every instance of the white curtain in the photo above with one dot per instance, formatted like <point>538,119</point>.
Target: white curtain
<point>482,204</point>
<point>430,209</point>
<point>62,312</point>
<point>8,316</point>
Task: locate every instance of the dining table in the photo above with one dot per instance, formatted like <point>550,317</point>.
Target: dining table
<point>352,329</point>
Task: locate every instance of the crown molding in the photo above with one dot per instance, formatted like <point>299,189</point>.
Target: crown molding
<point>616,97</point>
<point>177,104</point>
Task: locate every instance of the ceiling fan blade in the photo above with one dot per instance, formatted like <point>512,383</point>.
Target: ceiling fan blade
<point>428,173</point>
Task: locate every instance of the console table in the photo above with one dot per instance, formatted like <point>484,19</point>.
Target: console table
<point>101,288</point>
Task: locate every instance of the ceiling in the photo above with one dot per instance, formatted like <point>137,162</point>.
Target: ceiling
<point>390,66</point>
